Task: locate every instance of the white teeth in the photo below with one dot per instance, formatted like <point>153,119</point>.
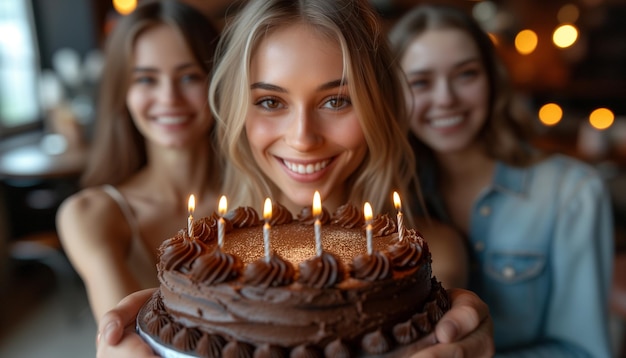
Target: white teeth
<point>170,120</point>
<point>306,169</point>
<point>446,122</point>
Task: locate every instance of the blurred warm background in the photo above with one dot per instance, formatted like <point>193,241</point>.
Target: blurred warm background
<point>567,59</point>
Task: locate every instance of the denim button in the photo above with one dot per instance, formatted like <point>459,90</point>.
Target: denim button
<point>508,272</point>
<point>485,210</point>
<point>479,246</point>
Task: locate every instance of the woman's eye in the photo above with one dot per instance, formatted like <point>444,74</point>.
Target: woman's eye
<point>338,102</point>
<point>418,84</point>
<point>469,73</point>
<point>192,77</point>
<point>269,103</point>
<point>144,80</point>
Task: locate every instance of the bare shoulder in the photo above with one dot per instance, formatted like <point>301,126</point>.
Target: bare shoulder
<point>91,215</point>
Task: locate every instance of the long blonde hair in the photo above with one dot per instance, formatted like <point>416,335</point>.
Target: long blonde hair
<point>373,80</point>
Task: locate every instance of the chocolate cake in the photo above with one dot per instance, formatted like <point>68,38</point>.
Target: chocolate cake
<point>238,301</point>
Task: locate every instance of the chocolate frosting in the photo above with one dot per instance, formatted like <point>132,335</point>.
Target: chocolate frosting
<point>305,351</point>
<point>269,351</point>
<point>275,272</point>
<point>186,339</point>
<point>371,267</point>
<point>405,254</point>
<point>375,343</point>
<point>337,349</point>
<point>259,311</point>
<point>348,216</point>
<point>321,271</point>
<point>215,267</point>
<point>421,322</point>
<point>180,252</point>
<point>205,229</point>
<point>382,225</point>
<point>280,215</point>
<point>306,216</point>
<point>243,216</point>
<point>210,345</point>
<point>405,332</point>
<point>235,349</point>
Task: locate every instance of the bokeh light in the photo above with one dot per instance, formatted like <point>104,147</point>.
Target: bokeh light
<point>124,7</point>
<point>601,118</point>
<point>526,41</point>
<point>550,114</point>
<point>568,13</point>
<point>565,35</point>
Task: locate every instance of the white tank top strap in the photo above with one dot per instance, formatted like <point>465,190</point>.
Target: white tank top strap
<point>126,210</point>
<point>140,260</point>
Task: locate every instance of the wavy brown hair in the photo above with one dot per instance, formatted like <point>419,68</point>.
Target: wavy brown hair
<point>118,149</point>
<point>507,130</point>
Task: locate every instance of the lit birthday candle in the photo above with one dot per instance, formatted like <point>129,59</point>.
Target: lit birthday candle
<point>222,209</point>
<point>191,207</point>
<point>317,211</point>
<point>367,211</point>
<point>267,215</point>
<point>398,204</point>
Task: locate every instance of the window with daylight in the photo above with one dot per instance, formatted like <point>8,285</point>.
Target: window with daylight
<point>19,66</point>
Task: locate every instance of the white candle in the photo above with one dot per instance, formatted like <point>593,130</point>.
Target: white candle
<point>398,204</point>
<point>222,208</point>
<point>191,207</point>
<point>267,215</point>
<point>367,211</point>
<point>317,211</point>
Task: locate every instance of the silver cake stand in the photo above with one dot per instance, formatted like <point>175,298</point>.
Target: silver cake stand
<point>160,348</point>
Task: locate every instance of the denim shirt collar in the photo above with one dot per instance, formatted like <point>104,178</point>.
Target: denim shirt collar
<point>511,180</point>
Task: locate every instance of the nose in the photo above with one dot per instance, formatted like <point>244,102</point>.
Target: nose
<point>168,92</point>
<point>444,94</point>
<point>302,132</point>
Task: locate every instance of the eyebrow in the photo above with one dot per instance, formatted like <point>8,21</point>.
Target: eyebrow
<point>154,69</point>
<point>323,87</point>
<point>460,64</point>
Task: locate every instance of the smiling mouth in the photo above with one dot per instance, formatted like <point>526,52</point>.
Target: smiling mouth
<point>446,122</point>
<point>308,168</point>
<point>171,119</point>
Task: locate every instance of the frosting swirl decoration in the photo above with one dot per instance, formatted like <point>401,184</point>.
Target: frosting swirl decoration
<point>235,349</point>
<point>375,343</point>
<point>181,252</point>
<point>205,229</point>
<point>405,332</point>
<point>348,216</point>
<point>371,267</point>
<point>275,272</point>
<point>306,216</point>
<point>382,225</point>
<point>243,216</point>
<point>215,267</point>
<point>269,351</point>
<point>186,339</point>
<point>405,254</point>
<point>321,271</point>
<point>210,345</point>
<point>304,351</point>
<point>280,215</point>
<point>337,349</point>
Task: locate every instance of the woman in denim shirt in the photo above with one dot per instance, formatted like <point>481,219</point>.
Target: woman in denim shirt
<point>539,228</point>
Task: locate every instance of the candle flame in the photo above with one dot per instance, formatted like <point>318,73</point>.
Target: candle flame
<point>267,209</point>
<point>317,204</point>
<point>192,204</point>
<point>396,200</point>
<point>367,211</point>
<point>222,206</point>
